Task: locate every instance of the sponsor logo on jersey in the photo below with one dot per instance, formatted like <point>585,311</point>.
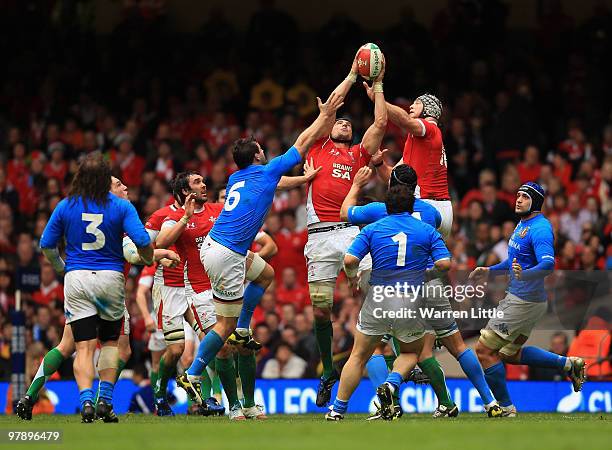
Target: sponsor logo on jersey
<point>524,232</point>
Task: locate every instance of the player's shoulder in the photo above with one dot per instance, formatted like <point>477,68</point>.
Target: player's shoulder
<point>320,143</point>
<point>118,202</point>
<point>541,225</point>
<point>173,214</point>
<point>214,207</point>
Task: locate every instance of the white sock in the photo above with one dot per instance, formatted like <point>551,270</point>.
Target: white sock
<point>242,331</point>
<point>568,365</point>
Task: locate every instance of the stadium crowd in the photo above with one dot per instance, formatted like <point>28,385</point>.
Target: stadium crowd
<point>519,105</point>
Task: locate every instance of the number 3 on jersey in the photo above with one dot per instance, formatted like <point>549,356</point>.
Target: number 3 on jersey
<point>92,228</point>
<point>233,196</point>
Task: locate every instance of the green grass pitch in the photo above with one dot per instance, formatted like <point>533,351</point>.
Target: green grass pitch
<point>468,431</point>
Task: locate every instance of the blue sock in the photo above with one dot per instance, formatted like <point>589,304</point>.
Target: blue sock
<point>537,357</point>
<point>86,395</point>
<point>377,370</point>
<point>472,368</point>
<point>209,347</point>
<point>340,406</point>
<point>252,296</point>
<point>395,380</point>
<point>106,391</point>
<point>496,379</point>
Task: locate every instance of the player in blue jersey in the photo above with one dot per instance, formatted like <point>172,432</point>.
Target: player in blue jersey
<point>55,357</point>
<point>401,247</point>
<point>531,258</point>
<point>249,194</point>
<point>93,222</point>
<point>444,327</point>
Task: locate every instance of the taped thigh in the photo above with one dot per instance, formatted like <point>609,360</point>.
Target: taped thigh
<point>492,340</point>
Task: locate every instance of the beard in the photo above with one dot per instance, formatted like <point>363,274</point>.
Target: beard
<point>341,140</point>
<point>522,213</point>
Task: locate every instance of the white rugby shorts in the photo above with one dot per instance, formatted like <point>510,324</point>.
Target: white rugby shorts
<point>94,292</point>
<point>225,268</point>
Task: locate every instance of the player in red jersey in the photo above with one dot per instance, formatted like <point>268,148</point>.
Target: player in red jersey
<point>171,309</point>
<point>328,236</point>
<point>187,228</point>
<point>424,151</point>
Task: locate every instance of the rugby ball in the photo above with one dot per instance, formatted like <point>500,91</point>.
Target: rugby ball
<point>369,61</point>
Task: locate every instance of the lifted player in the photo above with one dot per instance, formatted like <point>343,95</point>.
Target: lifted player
<point>328,236</point>
<point>249,196</point>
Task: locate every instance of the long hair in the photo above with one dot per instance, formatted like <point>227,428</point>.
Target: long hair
<point>92,181</point>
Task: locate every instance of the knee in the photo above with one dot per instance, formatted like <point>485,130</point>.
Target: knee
<point>176,350</point>
<point>225,352</point>
<point>266,277</point>
<point>321,314</point>
<point>485,355</point>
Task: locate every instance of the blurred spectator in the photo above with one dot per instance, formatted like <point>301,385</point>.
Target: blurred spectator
<point>28,270</point>
<point>50,289</point>
<point>291,292</point>
<point>285,364</point>
<point>574,218</point>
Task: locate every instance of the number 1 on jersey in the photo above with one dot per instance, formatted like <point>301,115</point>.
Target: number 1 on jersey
<point>401,239</point>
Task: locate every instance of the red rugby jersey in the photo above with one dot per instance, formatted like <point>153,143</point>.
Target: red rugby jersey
<point>329,188</point>
<point>164,275</point>
<point>426,155</point>
<point>189,242</point>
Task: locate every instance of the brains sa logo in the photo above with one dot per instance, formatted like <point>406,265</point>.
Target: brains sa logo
<point>524,232</point>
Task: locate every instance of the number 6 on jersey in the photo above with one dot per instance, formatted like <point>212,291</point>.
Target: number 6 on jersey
<point>233,196</point>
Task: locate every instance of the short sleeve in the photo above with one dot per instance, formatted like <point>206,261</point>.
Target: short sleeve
<point>428,129</point>
<point>438,247</point>
<point>280,165</point>
<point>365,155</point>
<point>361,245</point>
<point>367,214</point>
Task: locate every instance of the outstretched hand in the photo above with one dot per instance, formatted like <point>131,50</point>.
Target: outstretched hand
<point>309,169</point>
<point>333,103</point>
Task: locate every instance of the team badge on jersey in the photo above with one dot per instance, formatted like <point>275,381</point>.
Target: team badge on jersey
<point>524,232</point>
<point>334,152</point>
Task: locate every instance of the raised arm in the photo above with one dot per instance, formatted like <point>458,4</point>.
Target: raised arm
<point>398,116</point>
<point>321,125</point>
<point>374,134</point>
<point>287,183</point>
<point>170,232</point>
<point>361,179</point>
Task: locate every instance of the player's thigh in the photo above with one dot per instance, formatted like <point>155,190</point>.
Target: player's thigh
<point>515,318</point>
<point>109,292</point>
<point>225,268</point>
<point>125,323</point>
<point>203,310</point>
<point>255,266</point>
<point>440,319</point>
<point>325,252</point>
<point>170,303</point>
<point>445,208</point>
<point>373,319</point>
